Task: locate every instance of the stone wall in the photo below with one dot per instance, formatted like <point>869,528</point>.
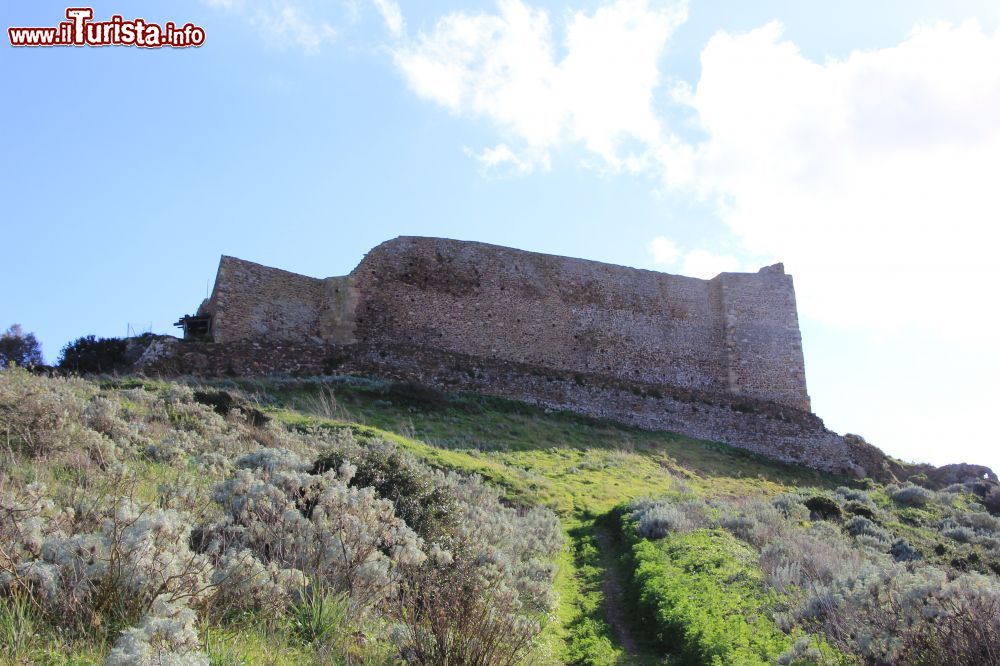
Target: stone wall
<point>735,333</point>
<point>562,313</point>
<point>253,301</point>
<point>762,342</point>
<point>717,359</point>
<point>776,431</point>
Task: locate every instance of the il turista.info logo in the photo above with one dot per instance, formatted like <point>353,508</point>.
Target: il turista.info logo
<point>79,29</point>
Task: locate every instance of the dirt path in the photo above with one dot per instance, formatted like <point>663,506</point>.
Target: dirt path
<point>614,593</point>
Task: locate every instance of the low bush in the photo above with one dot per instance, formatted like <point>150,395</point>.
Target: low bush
<point>868,533</point>
<point>93,355</point>
<point>823,508</point>
<point>862,509</point>
<point>887,614</point>
<point>348,538</point>
<point>421,503</point>
<point>854,495</point>
<point>912,496</point>
<point>167,635</point>
<point>658,519</point>
<point>483,600</point>
<point>40,416</point>
<point>902,551</point>
<point>791,506</point>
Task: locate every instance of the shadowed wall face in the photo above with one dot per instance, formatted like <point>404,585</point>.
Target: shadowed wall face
<point>737,333</point>
<point>250,301</point>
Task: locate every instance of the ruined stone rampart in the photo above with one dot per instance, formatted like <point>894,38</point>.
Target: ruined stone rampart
<point>737,333</point>
<point>717,359</point>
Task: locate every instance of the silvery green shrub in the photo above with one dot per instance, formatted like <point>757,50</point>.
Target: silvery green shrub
<point>103,415</point>
<point>912,495</point>
<point>853,494</point>
<point>802,557</point>
<point>960,533</point>
<point>40,415</point>
<point>243,582</point>
<point>888,614</point>
<point>658,518</point>
<point>347,537</point>
<point>167,636</point>
<point>791,506</point>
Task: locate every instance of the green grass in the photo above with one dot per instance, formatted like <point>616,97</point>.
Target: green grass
<point>703,597</point>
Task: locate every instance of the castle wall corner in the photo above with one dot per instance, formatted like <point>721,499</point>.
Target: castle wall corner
<point>762,346</point>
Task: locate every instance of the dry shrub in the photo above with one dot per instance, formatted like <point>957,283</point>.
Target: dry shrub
<point>911,495</point>
<point>463,613</point>
<point>347,537</point>
<point>167,635</point>
<point>890,615</point>
<point>483,601</point>
<point>135,553</point>
<point>40,416</point>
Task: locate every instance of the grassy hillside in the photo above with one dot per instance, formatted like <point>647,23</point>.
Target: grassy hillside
<point>339,521</point>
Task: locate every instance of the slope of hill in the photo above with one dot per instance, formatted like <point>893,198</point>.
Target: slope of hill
<point>343,520</point>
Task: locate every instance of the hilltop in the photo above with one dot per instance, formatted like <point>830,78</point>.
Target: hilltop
<point>717,359</point>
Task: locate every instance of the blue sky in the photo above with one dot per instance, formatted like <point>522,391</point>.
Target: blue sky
<point>857,142</point>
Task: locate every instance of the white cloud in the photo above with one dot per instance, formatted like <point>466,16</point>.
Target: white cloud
<point>664,250</point>
<point>284,22</point>
<point>501,160</point>
<point>289,24</point>
<point>873,177</point>
<point>503,67</point>
<point>393,17</point>
<point>705,264</point>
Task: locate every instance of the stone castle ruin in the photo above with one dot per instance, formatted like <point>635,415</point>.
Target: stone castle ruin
<point>718,359</point>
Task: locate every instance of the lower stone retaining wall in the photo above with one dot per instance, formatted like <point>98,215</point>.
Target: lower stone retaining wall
<point>779,432</point>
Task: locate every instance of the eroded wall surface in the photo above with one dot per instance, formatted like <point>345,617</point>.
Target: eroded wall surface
<point>251,301</point>
<point>764,427</point>
<point>737,333</point>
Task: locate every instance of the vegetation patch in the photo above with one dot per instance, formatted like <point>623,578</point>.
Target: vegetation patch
<point>342,520</point>
<point>704,598</point>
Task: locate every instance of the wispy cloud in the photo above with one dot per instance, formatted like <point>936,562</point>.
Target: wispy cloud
<point>503,67</point>
<point>290,24</point>
<point>502,161</point>
<point>392,16</point>
<point>284,22</point>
